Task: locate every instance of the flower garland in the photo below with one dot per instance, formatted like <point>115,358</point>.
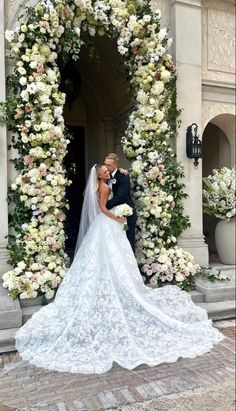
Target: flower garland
<point>59,28</point>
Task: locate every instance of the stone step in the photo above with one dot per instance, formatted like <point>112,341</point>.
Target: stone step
<point>219,310</point>
<point>197,296</point>
<point>7,339</point>
<point>219,290</point>
<point>27,312</point>
<point>10,311</point>
<point>31,301</point>
<point>223,267</point>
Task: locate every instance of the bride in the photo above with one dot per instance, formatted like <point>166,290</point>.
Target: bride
<point>103,313</point>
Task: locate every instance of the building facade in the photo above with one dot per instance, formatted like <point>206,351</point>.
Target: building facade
<point>203,33</point>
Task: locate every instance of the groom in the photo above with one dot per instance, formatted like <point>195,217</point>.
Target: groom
<point>120,186</point>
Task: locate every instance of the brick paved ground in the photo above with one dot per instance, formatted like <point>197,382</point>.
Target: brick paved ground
<point>51,391</point>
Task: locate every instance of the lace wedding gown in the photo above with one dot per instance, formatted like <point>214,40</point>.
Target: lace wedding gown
<point>103,313</point>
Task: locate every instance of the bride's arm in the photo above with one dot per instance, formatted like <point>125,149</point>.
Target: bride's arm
<point>103,196</point>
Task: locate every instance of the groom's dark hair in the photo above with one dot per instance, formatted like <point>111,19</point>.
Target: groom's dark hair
<point>113,157</point>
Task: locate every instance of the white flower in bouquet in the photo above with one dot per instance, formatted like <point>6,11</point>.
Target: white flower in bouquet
<point>123,211</point>
<point>219,193</point>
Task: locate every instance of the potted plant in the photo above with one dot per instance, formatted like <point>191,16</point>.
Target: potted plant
<point>219,201</point>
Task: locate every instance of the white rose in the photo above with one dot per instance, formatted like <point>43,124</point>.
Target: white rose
<point>21,70</point>
<point>21,38</point>
<point>49,294</point>
<point>159,116</point>
<point>25,58</point>
<point>77,30</point>
<point>33,64</point>
<point>49,177</point>
<point>179,277</point>
<point>13,186</point>
<point>31,27</point>
<point>25,139</point>
<point>6,275</point>
<point>51,266</point>
<point>21,264</point>
<point>162,33</point>
<point>170,198</point>
<point>24,95</point>
<point>34,266</point>
<point>149,253</point>
<point>24,28</point>
<point>165,76</point>
<point>23,81</point>
<point>35,286</point>
<point>18,270</point>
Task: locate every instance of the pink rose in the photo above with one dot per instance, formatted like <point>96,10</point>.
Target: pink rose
<point>153,281</point>
<point>55,246</point>
<point>169,276</point>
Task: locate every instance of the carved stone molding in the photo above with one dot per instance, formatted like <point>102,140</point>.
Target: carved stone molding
<point>211,109</point>
<point>218,40</point>
<point>13,8</point>
<point>221,42</point>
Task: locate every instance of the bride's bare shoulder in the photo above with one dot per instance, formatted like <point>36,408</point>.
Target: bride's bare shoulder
<point>103,187</point>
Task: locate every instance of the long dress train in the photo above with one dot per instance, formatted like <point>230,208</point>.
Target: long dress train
<point>103,313</point>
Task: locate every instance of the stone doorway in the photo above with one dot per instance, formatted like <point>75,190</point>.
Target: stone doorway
<point>96,117</point>
<point>218,151</point>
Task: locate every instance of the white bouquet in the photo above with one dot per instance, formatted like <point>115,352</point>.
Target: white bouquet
<point>219,193</point>
<point>123,211</point>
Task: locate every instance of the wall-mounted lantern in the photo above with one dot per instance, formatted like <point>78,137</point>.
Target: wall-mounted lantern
<point>193,144</point>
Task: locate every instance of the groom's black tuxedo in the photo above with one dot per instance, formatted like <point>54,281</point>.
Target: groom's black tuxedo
<point>121,195</point>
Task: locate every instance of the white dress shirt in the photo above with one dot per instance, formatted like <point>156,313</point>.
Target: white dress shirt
<point>112,176</point>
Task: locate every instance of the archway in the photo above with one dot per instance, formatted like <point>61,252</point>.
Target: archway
<point>218,151</point>
<point>94,123</point>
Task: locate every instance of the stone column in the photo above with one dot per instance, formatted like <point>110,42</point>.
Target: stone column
<point>3,156</point>
<point>186,27</point>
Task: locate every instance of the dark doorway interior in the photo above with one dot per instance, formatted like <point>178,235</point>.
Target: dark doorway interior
<point>75,166</point>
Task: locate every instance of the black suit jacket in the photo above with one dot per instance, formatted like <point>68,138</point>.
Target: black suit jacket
<point>121,193</point>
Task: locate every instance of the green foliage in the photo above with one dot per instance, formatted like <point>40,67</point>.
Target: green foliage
<point>70,45</point>
<point>211,275</point>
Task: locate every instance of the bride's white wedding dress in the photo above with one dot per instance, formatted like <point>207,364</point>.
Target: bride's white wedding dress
<point>103,313</point>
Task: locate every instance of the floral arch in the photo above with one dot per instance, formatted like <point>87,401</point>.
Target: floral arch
<point>57,29</point>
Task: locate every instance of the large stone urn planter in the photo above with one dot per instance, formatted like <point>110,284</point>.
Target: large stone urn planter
<point>225,240</point>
